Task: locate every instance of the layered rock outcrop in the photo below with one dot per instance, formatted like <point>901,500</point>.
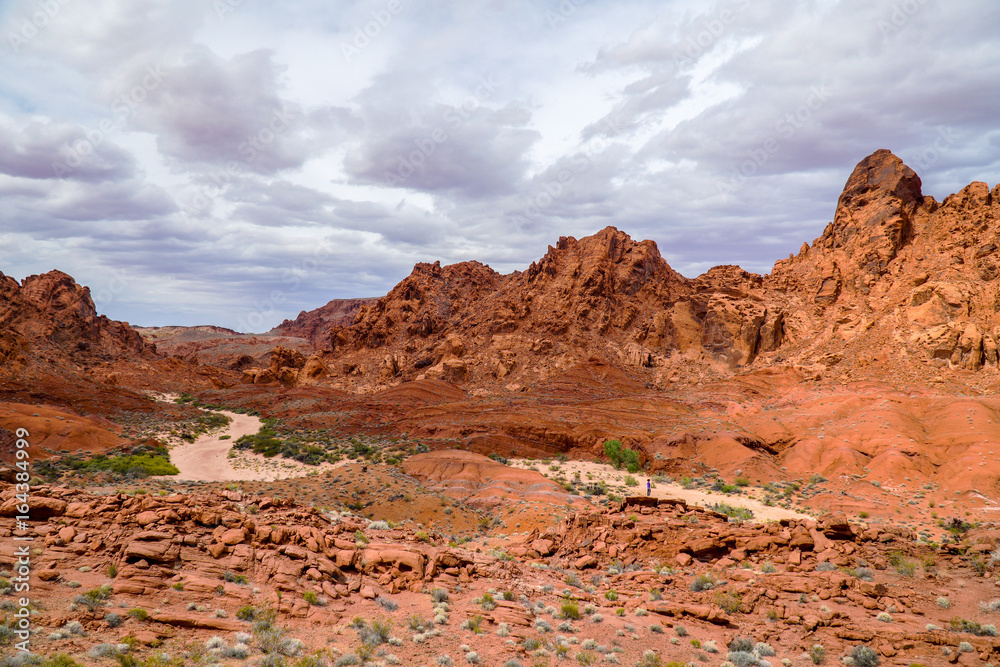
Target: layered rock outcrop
<point>51,315</point>
<point>893,265</point>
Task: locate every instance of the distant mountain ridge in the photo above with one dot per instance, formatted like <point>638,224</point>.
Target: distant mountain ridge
<point>895,274</point>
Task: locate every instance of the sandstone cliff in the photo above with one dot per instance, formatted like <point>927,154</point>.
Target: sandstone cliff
<point>895,275</point>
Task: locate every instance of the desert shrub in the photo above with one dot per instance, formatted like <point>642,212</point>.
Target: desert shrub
<point>439,595</point>
<point>991,606</point>
<point>959,624</point>
<point>94,599</point>
<point>741,644</point>
<point>386,603</point>
<point>884,617</point>
<point>104,650</point>
<point>865,656</point>
<point>966,647</point>
<point>377,633</point>
<point>631,481</point>
<point>60,660</point>
<point>734,513</point>
<point>825,566</point>
<point>245,613</point>
<point>904,566</point>
<point>611,595</point>
<point>944,603</point>
<point>728,602</point>
<point>703,582</point>
<point>621,457</point>
<point>155,462</point>
<point>864,574</point>
<point>763,649</point>
<point>239,652</point>
<point>113,620</point>
<point>570,610</point>
<point>472,658</point>
<point>817,654</point>
<point>234,578</point>
<point>650,659</point>
<point>742,658</point>
<point>347,659</point>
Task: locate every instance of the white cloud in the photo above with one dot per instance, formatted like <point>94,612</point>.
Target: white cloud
<point>733,127</point>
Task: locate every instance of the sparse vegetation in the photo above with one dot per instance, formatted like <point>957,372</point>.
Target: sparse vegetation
<point>621,457</point>
<point>864,656</point>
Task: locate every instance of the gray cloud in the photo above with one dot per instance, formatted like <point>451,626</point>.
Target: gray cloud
<point>210,110</point>
<point>52,150</point>
<point>723,132</point>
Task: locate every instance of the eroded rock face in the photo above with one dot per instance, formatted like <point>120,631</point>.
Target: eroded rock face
<point>54,315</point>
<point>892,265</point>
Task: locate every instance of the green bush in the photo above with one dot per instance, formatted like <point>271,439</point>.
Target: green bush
<point>621,457</point>
<point>703,582</point>
<point>138,613</point>
<point>865,656</point>
<point>143,465</point>
<point>60,660</point>
<point>737,513</point>
<point>94,599</point>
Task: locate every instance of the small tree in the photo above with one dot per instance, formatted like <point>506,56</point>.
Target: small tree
<point>613,450</point>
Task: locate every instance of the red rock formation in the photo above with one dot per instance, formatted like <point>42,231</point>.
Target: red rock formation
<point>315,325</point>
<point>51,314</point>
<point>893,265</point>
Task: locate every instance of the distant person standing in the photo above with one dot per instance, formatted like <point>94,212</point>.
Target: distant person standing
<point>649,487</point>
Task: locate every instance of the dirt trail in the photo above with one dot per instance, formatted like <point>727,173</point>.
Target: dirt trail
<point>596,471</point>
<point>206,459</point>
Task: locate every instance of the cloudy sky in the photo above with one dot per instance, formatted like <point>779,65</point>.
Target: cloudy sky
<point>236,161</point>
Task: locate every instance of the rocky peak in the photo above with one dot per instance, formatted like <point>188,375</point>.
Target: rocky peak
<point>56,292</point>
<point>879,175</point>
<point>53,312</point>
<point>874,220</point>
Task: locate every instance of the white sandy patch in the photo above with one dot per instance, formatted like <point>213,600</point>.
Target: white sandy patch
<point>207,459</point>
<point>613,478</point>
